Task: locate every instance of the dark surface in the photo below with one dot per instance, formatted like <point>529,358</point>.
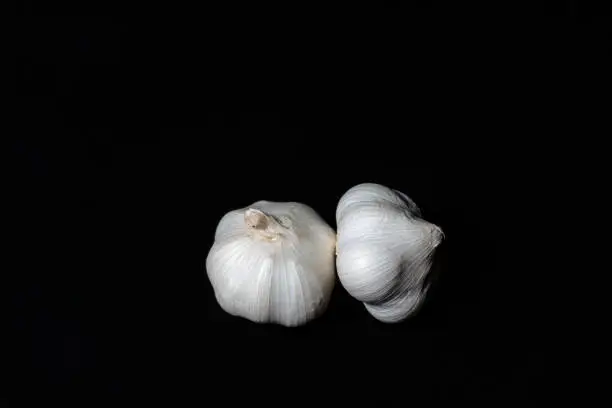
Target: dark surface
<point>134,138</point>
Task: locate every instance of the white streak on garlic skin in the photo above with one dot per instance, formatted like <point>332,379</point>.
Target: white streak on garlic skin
<point>384,250</point>
<point>273,262</point>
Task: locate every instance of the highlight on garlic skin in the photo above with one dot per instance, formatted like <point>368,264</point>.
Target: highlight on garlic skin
<point>384,250</point>
<point>273,262</point>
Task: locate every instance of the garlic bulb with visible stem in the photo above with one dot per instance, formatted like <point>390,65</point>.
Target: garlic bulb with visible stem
<point>273,262</point>
<point>384,250</point>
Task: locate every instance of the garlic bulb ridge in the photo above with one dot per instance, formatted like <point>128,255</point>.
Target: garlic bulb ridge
<point>273,262</point>
<point>384,250</point>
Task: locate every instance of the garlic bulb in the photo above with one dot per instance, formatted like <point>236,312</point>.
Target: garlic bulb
<point>384,250</point>
<point>273,262</point>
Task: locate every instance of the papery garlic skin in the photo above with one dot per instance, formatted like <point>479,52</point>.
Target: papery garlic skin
<point>273,262</point>
<point>384,250</point>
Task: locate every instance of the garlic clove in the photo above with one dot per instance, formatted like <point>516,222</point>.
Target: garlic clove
<point>412,207</point>
<point>367,270</point>
<point>385,250</point>
<point>273,263</point>
<point>398,308</point>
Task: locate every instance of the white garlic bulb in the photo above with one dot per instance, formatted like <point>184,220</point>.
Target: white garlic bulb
<point>384,250</point>
<point>273,262</point>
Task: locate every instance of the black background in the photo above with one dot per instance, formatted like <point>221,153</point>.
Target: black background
<point>136,134</point>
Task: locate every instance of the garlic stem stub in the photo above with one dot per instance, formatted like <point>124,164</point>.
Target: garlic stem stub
<point>273,262</point>
<point>384,250</point>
